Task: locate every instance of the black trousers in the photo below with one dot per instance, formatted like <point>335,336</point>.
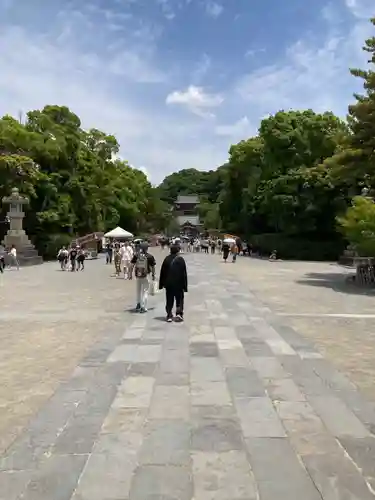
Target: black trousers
<point>173,295</point>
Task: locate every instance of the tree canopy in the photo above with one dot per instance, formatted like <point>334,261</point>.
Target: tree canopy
<point>74,180</point>
<point>288,187</point>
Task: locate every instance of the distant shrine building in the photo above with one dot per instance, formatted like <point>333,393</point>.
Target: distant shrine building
<point>186,213</point>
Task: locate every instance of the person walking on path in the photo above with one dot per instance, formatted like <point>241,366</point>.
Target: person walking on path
<point>81,259</point>
<point>126,257</point>
<point>62,257</point>
<point>73,258</point>
<point>234,251</point>
<point>2,258</point>
<point>225,249</point>
<point>13,257</point>
<point>173,277</point>
<point>117,259</point>
<point>143,265</point>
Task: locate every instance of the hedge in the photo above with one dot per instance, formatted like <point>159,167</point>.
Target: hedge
<point>288,247</point>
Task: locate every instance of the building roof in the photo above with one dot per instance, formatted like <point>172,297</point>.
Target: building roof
<point>191,219</point>
<point>193,198</point>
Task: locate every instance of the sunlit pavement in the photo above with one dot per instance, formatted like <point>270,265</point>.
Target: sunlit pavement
<point>232,404</point>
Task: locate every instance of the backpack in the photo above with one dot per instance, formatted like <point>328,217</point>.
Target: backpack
<point>141,266</point>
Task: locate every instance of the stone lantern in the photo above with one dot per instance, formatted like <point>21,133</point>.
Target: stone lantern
<point>26,253</point>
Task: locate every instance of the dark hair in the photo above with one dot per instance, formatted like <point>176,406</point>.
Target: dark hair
<point>174,249</point>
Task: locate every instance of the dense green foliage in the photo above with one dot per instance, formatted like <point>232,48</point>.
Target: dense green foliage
<point>287,188</point>
<point>73,179</point>
<point>358,225</point>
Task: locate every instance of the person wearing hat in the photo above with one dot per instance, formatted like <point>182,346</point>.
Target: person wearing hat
<point>173,277</point>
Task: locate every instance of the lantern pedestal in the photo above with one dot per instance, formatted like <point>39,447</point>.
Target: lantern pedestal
<point>26,252</point>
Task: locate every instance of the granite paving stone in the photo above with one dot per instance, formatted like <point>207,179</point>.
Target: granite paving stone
<point>158,482</point>
<point>216,434</point>
<point>57,479</point>
<point>143,369</point>
<point>232,404</point>
<point>255,347</point>
<point>278,471</point>
<point>244,383</point>
<point>328,408</point>
<point>121,420</point>
<point>107,476</point>
<point>283,389</point>
<point>207,369</point>
<point>335,476</point>
<point>134,392</point>
<point>209,393</point>
<point>13,484</point>
<point>79,435</point>
<point>258,418</point>
<point>362,452</point>
<point>234,357</point>
<point>204,349</point>
<point>166,442</point>
<point>223,476</point>
<point>170,402</point>
<point>268,367</point>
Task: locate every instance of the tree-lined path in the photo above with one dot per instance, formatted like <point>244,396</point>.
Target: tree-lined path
<point>233,404</point>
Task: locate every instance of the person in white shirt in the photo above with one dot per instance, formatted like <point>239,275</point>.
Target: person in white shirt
<point>126,257</point>
<point>13,257</point>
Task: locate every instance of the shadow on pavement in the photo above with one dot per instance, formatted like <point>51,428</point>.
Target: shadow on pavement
<point>338,282</point>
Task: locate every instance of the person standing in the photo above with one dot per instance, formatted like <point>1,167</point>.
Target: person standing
<point>117,259</point>
<point>2,258</point>
<point>13,257</point>
<point>126,257</point>
<point>109,252</point>
<point>234,251</point>
<point>173,277</point>
<point>81,259</point>
<point>73,258</point>
<point>143,264</point>
<point>62,257</point>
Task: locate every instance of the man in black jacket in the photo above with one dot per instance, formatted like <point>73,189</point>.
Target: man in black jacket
<point>173,277</point>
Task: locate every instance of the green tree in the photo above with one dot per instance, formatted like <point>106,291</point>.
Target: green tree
<point>358,225</point>
<point>354,164</point>
<point>75,182</point>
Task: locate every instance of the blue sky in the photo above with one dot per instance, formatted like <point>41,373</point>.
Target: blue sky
<point>178,81</point>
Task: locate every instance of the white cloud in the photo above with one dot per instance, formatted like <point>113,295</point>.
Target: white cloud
<point>253,52</point>
<point>238,130</point>
<point>363,9</point>
<point>214,9</point>
<point>35,72</point>
<point>195,99</point>
<point>310,75</point>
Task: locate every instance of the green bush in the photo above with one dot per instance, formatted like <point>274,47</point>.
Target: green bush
<point>358,225</point>
<point>298,248</point>
<point>49,246</point>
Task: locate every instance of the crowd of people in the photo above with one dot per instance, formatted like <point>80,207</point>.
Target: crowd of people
<point>133,259</point>
<point>227,246</point>
<point>72,258</point>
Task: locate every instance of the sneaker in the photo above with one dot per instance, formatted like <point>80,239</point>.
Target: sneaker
<point>169,319</point>
<point>179,318</point>
<point>143,309</point>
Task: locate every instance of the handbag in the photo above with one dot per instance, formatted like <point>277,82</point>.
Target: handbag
<point>153,288</point>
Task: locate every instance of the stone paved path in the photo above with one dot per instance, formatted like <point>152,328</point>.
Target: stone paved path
<point>230,405</point>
